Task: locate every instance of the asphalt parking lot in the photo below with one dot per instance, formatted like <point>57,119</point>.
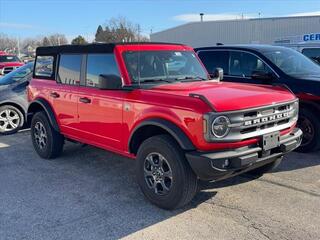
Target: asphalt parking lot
<point>92,194</point>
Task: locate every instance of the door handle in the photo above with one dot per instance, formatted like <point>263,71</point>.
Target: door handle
<point>54,94</point>
<point>85,100</point>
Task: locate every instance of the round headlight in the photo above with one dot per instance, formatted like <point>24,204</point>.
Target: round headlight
<point>220,127</point>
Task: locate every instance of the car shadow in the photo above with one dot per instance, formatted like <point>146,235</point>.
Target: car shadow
<point>87,193</point>
<point>296,160</point>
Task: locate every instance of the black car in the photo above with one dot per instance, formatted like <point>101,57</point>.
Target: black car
<point>272,65</point>
<point>13,101</point>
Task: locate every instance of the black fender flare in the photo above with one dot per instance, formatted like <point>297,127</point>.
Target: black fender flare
<point>47,108</point>
<point>182,139</point>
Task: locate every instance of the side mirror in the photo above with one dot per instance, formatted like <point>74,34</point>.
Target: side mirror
<point>109,81</point>
<point>260,75</point>
<point>217,74</point>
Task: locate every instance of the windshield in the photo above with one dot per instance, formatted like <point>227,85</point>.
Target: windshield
<point>9,58</point>
<point>20,74</point>
<point>164,66</point>
<point>293,63</point>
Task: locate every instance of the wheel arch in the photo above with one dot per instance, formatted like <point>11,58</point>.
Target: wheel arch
<point>157,126</point>
<point>42,105</point>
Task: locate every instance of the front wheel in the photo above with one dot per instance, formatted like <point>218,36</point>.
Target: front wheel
<point>164,174</point>
<point>11,119</point>
<point>310,125</point>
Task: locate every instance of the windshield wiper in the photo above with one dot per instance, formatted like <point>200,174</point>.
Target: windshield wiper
<point>188,78</point>
<point>155,80</point>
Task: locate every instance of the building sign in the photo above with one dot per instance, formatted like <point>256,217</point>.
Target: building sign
<point>311,37</point>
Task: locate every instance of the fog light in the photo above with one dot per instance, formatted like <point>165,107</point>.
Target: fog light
<point>226,163</point>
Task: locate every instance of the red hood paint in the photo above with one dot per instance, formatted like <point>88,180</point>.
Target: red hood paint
<point>230,96</point>
<point>10,64</point>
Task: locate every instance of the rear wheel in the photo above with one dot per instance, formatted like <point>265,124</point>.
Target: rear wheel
<point>47,142</point>
<point>164,174</point>
<point>11,119</point>
<point>310,125</point>
<point>266,168</point>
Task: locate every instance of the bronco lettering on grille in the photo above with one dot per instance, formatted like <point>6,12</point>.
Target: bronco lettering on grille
<point>267,119</point>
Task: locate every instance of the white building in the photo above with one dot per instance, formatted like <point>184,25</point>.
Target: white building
<point>277,30</point>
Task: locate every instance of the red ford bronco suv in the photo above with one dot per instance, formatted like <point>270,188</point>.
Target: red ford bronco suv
<point>155,103</point>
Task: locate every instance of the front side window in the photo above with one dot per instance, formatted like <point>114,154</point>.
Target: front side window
<point>9,58</point>
<point>215,59</point>
<point>292,62</point>
<point>99,65</point>
<point>163,66</point>
<point>44,66</point>
<point>69,69</point>
<point>244,64</point>
<point>313,53</point>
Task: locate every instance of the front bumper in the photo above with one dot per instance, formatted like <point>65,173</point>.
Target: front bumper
<point>228,163</point>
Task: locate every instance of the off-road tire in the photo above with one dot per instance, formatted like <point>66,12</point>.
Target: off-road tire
<point>54,143</point>
<point>313,119</point>
<point>184,181</point>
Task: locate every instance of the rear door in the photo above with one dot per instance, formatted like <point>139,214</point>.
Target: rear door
<point>100,111</point>
<point>65,94</point>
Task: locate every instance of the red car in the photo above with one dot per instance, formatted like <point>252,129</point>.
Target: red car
<point>8,63</point>
<point>155,103</point>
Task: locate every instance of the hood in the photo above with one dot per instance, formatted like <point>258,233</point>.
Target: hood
<point>230,96</point>
<point>10,64</point>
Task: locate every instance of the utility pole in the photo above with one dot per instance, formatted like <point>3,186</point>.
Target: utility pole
<point>139,33</point>
<point>18,46</point>
<point>201,17</point>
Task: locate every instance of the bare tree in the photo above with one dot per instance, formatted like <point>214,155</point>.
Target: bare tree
<point>8,44</point>
<point>57,39</point>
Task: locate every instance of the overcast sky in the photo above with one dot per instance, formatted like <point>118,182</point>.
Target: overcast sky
<point>28,18</point>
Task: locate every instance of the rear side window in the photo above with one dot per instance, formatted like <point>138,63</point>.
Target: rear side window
<point>100,64</point>
<point>313,53</point>
<point>44,67</point>
<point>69,69</point>
<point>215,59</point>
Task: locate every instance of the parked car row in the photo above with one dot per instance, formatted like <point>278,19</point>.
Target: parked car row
<point>157,103</point>
<point>8,63</point>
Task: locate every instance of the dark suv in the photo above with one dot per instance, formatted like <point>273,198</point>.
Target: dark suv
<point>272,65</point>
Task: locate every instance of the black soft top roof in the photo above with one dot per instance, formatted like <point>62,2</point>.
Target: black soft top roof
<point>88,48</point>
<point>252,47</point>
